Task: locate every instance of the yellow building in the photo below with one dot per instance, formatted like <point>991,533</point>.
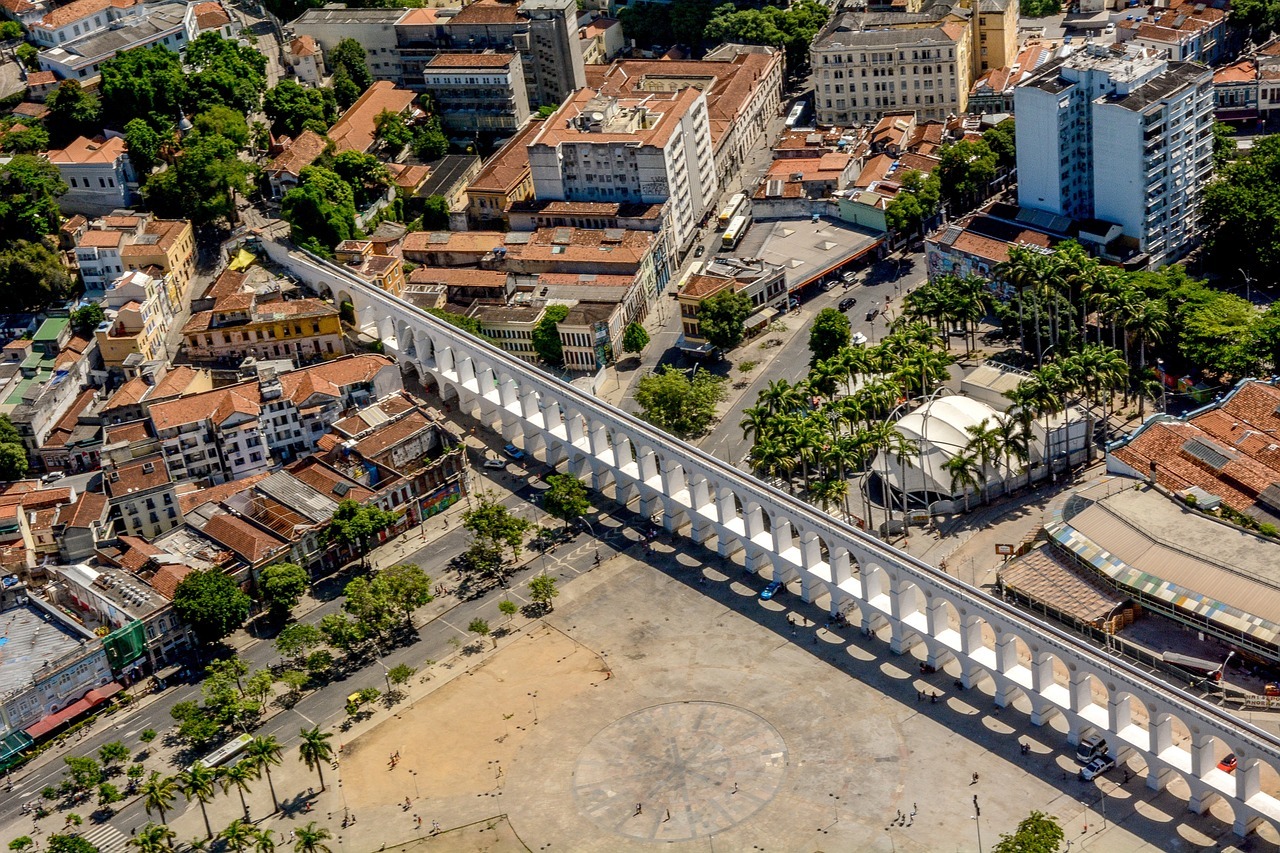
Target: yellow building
<point>997,35</point>
<point>360,257</point>
<point>139,312</point>
<point>503,180</point>
<point>305,330</point>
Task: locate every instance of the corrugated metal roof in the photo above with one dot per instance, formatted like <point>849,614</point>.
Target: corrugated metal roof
<point>298,496</point>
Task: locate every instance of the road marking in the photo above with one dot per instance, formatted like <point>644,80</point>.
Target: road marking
<point>303,716</point>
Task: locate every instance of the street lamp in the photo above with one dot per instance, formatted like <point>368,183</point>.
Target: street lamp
<point>1248,285</point>
<point>977,821</point>
<point>1164,387</point>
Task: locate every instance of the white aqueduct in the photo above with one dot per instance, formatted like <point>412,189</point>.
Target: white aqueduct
<point>888,591</point>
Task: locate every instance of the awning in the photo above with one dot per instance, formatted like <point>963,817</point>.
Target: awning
<point>13,744</point>
<point>760,317</point>
<point>243,259</point>
<point>81,706</point>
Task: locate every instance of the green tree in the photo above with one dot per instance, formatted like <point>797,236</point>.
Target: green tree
<point>792,28</point>
<point>435,214</point>
<point>917,200</point>
<point>542,589</point>
<point>8,432</point>
<point>87,318</point>
<point>195,726</point>
<point>225,122</point>
<point>1037,833</point>
<point>722,318</point>
<point>240,776</point>
<point>83,772</point>
<point>311,838</point>
<point>72,112</point>
<point>32,276</point>
<point>69,844</point>
<point>315,750</point>
<point>429,142</point>
<point>13,462</point>
<point>565,498</point>
<point>202,183</point>
<point>282,586</point>
<point>29,140</point>
<point>492,524</point>
<point>211,603</point>
<point>1039,8</point>
<point>292,107</point>
<point>265,752</point>
<point>321,210</point>
<point>400,674</point>
<point>264,841</point>
<point>405,587</point>
<point>145,82</point>
<point>21,843</point>
<point>546,335</point>
<point>349,55</point>
<point>345,91</point>
<point>1240,213</point>
<point>480,628</point>
<point>684,407</point>
<point>29,190</point>
<point>354,525</point>
<point>829,335</point>
<point>1002,139</point>
<point>466,324</point>
<point>634,338</point>
<point>965,171</point>
<point>144,146</point>
<point>28,56</point>
<point>297,639</point>
<point>508,608</point>
<point>158,794</point>
<point>391,130</point>
<point>113,753</point>
<point>154,838</point>
<point>258,686</point>
<point>238,834</point>
<point>364,173</point>
<point>225,72</point>
<point>108,795</point>
<point>199,782</point>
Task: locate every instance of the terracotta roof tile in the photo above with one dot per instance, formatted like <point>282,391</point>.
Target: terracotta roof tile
<point>166,579</point>
<point>470,60</point>
<point>304,46</point>
<point>488,12</point>
<point>137,475</point>
<point>354,131</point>
<point>302,152</point>
<point>216,494</point>
<point>91,507</point>
<point>249,542</point>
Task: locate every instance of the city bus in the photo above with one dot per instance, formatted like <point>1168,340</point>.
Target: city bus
<point>737,204</point>
<point>224,753</point>
<point>734,233</point>
<point>797,113</point>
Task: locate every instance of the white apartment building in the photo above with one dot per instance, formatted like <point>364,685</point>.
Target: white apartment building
<point>249,427</point>
<point>98,175</point>
<point>602,148</point>
<point>142,497</point>
<point>1123,137</point>
<point>477,93</point>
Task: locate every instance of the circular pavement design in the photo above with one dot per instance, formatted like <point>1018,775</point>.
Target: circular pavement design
<point>679,771</point>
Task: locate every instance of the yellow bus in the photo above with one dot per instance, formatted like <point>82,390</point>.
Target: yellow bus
<point>737,204</point>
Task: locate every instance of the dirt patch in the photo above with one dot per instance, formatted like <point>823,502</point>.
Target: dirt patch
<point>459,740</point>
<point>486,836</point>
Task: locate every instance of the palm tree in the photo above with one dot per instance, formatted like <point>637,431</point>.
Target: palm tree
<point>1149,323</point>
<point>781,396</point>
<point>771,458</point>
<point>264,841</point>
<point>885,438</point>
<point>311,839</point>
<point>154,838</point>
<point>828,491</point>
<point>984,446</point>
<point>964,473</point>
<point>923,369</point>
<point>314,750</point>
<point>198,845</point>
<point>1014,437</point>
<point>237,834</point>
<point>158,793</point>
<point>240,776</point>
<point>199,782</point>
<point>756,421</point>
<point>1043,394</point>
<point>264,751</point>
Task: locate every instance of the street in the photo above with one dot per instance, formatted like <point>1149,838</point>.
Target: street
<point>326,707</point>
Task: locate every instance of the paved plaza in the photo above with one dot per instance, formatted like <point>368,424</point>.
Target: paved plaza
<point>666,704</point>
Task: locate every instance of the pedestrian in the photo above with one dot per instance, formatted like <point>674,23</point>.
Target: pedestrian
<point>914,809</point>
<point>435,827</point>
<point>1126,776</point>
<point>668,817</point>
<point>639,809</point>
<point>934,698</point>
<point>735,787</point>
<point>975,778</point>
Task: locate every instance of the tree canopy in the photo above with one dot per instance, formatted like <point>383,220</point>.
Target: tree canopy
<point>965,171</point>
<point>1240,213</point>
<point>282,586</point>
<point>293,108</point>
<point>225,72</point>
<point>32,276</point>
<point>791,28</point>
<point>683,406</point>
<point>722,318</point>
<point>321,210</point>
<point>202,182</point>
<point>211,603</point>
<point>72,112</point>
<point>29,190</point>
<point>565,498</point>
<point>546,335</point>
<point>146,83</point>
<point>144,146</point>
<point>634,338</point>
<point>355,525</point>
<point>830,334</point>
<point>1037,833</point>
<point>364,173</point>
<point>349,56</point>
<point>916,201</point>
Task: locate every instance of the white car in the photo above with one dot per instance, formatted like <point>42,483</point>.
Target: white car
<point>52,477</point>
<point>858,339</point>
<point>1096,768</point>
<point>495,463</point>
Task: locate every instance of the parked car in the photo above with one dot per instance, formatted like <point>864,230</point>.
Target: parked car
<point>1090,748</point>
<point>846,304</point>
<point>1228,764</point>
<point>829,284</point>
<point>494,463</point>
<point>52,477</point>
<point>700,251</point>
<point>513,451</point>
<point>1096,768</point>
<point>770,591</point>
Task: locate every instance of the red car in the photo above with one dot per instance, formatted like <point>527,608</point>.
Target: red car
<point>1228,764</point>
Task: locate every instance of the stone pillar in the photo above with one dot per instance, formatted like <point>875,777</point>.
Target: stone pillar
<point>508,393</point>
<point>810,551</point>
<point>753,521</point>
<point>1202,756</point>
<point>598,441</point>
<point>700,501</point>
<point>970,634</point>
<point>647,463</point>
<point>1119,713</point>
<point>1006,652</point>
<point>529,407</point>
<point>574,429</point>
<point>782,538</point>
<point>673,478</point>
<point>1081,695</point>
<point>841,571</point>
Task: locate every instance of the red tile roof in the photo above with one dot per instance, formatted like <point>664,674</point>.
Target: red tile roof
<point>252,544</point>
<point>355,130</point>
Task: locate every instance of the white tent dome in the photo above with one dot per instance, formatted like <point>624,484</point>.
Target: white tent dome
<point>938,429</point>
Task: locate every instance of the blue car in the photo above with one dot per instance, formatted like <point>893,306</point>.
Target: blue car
<point>770,591</point>
<point>514,452</point>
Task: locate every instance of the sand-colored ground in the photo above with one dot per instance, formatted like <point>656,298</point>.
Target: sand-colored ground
<point>458,741</point>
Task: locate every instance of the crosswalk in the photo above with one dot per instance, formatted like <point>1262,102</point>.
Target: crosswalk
<point>106,838</point>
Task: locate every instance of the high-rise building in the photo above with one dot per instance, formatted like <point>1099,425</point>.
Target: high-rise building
<point>649,149</point>
<point>1118,138</point>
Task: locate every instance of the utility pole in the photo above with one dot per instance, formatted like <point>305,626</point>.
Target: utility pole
<point>977,821</point>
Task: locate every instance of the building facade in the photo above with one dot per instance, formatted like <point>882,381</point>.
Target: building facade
<point>1125,139</point>
<point>99,175</point>
<point>477,93</point>
<point>640,150</point>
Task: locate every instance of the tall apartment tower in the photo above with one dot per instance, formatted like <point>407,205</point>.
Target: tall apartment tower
<point>1120,136</point>
<point>648,150</point>
<point>553,44</point>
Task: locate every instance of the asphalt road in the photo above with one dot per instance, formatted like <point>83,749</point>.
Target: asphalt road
<point>327,706</point>
<point>884,281</point>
